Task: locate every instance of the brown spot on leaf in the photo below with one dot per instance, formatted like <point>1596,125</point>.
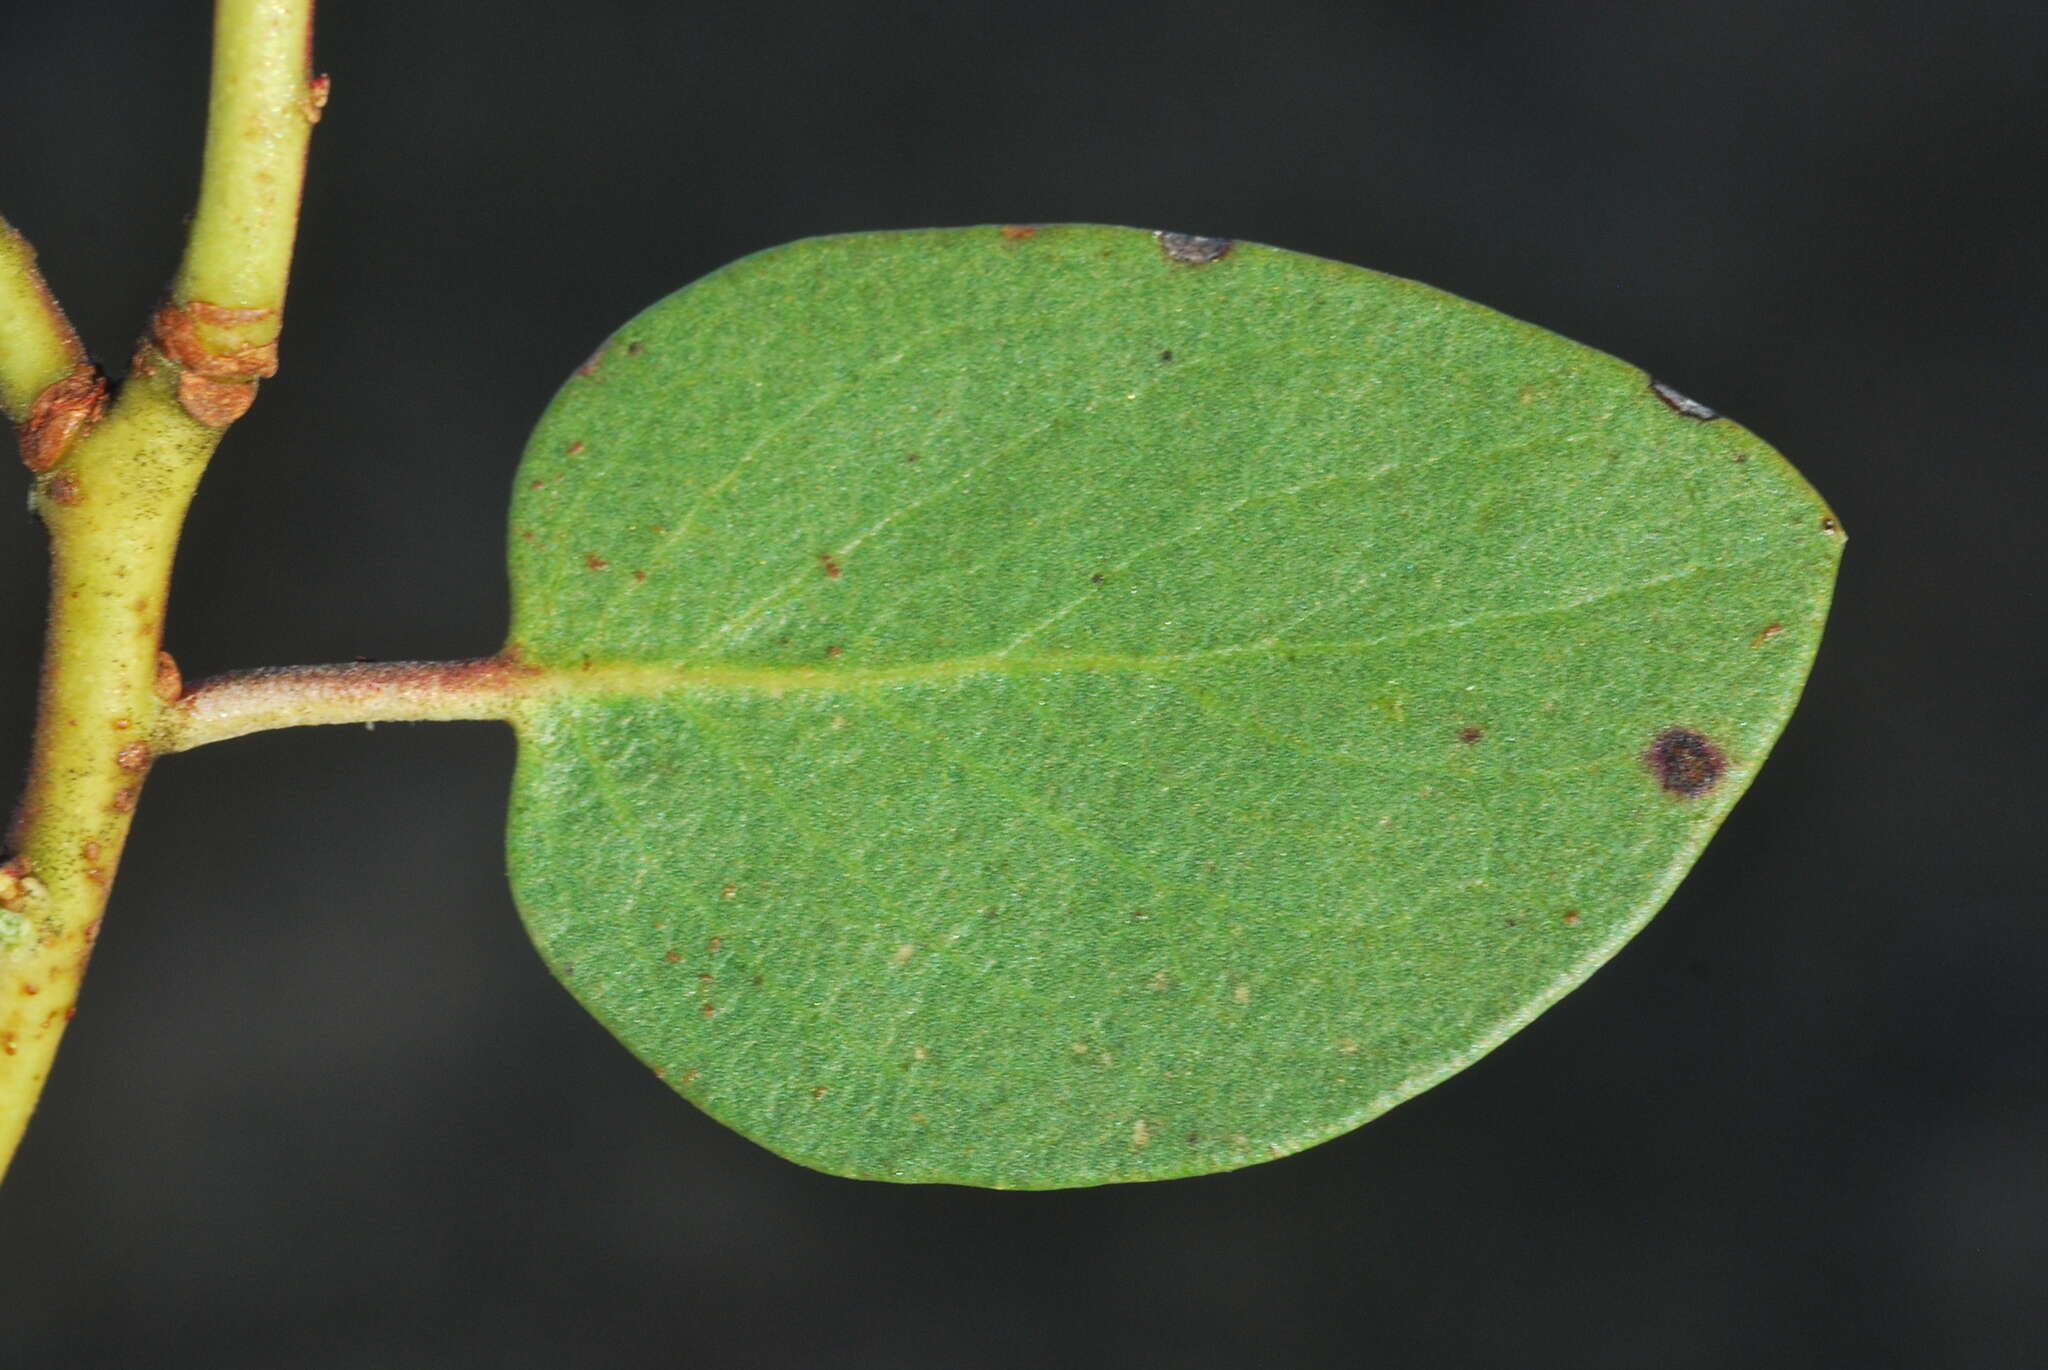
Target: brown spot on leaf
<point>673,957</point>
<point>1192,250</point>
<point>1019,232</point>
<point>1685,763</point>
<point>640,577</point>
<point>575,449</point>
<point>710,1010</point>
<point>1571,918</point>
<point>821,1091</point>
<point>835,650</point>
<point>595,562</point>
<point>593,363</point>
<point>1682,404</point>
<point>1767,634</point>
<point>1470,735</point>
<point>831,566</point>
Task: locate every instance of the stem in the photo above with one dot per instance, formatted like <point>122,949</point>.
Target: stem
<point>114,503</point>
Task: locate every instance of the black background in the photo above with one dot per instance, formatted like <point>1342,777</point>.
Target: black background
<point>323,1107</point>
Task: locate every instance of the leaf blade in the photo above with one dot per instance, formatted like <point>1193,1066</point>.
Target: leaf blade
<point>974,631</point>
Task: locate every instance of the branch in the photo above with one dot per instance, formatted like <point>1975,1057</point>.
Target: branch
<point>114,504</point>
<point>48,388</point>
<point>220,326</point>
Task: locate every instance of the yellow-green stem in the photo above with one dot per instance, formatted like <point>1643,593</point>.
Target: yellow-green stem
<point>114,496</point>
<point>37,345</point>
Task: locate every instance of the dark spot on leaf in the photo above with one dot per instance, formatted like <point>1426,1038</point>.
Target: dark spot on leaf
<point>831,566</point>
<point>634,349</point>
<point>1191,250</point>
<point>835,650</point>
<point>1685,763</point>
<point>1469,735</point>
<point>1019,232</point>
<point>1828,525</point>
<point>1571,918</point>
<point>594,561</point>
<point>1139,915</point>
<point>911,458</point>
<point>1166,356</point>
<point>1096,579</point>
<point>1689,407</point>
<point>711,1010</point>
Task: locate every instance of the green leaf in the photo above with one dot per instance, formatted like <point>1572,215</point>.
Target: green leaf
<point>1047,707</point>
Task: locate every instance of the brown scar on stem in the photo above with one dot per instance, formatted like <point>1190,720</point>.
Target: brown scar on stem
<point>215,388</point>
<point>65,408</point>
<point>1681,403</point>
<point>318,90</point>
<point>1191,249</point>
<point>1687,764</point>
<point>135,756</point>
<point>170,681</point>
<point>64,489</point>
